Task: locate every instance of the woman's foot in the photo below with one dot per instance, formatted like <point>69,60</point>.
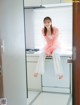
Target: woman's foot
<point>35,74</point>
<point>60,76</point>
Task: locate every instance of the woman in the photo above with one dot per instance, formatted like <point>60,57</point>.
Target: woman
<point>51,48</point>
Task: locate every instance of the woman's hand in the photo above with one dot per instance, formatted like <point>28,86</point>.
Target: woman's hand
<point>49,51</point>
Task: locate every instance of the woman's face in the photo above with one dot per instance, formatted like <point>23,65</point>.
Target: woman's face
<point>47,23</point>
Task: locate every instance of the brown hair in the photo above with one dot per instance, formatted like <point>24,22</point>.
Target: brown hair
<point>45,29</point>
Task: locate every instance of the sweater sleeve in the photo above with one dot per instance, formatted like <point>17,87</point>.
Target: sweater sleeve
<point>56,33</point>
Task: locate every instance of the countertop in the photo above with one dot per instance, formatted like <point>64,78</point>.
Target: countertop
<point>62,53</point>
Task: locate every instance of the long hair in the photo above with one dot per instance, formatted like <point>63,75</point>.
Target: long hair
<point>45,29</point>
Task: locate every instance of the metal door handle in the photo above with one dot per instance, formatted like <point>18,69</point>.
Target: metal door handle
<point>69,60</point>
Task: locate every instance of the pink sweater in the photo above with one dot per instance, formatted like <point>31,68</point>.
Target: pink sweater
<point>51,41</point>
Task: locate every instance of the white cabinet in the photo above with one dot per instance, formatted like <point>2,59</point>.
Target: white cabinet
<point>32,3</point>
<point>35,3</point>
<point>34,83</point>
<point>44,2</point>
<point>50,81</point>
